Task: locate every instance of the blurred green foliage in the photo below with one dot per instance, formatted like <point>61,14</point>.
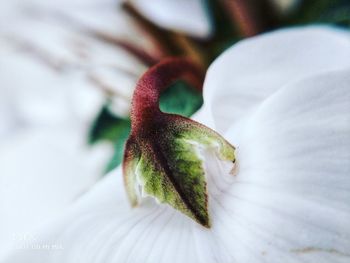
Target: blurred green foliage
<point>336,12</point>
<point>181,99</point>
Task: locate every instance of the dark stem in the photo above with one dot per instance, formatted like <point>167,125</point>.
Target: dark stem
<point>145,57</point>
<point>252,17</point>
<point>158,36</point>
<point>145,101</point>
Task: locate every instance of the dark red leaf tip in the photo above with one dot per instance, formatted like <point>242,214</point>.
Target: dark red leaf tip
<point>145,102</point>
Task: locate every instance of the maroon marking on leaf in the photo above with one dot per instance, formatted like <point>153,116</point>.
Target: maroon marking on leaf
<point>145,103</point>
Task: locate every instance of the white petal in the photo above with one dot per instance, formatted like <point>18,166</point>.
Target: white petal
<point>288,202</point>
<point>187,16</point>
<point>42,171</point>
<point>255,68</point>
<point>292,190</point>
<point>48,60</point>
<point>120,83</point>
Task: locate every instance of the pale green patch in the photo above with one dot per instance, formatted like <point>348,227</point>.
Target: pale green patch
<point>207,138</point>
<point>131,160</point>
<point>176,176</point>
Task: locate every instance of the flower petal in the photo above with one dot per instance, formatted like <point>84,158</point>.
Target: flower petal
<point>255,68</point>
<point>187,16</point>
<point>292,191</point>
<point>43,171</point>
<point>289,200</point>
<point>54,70</point>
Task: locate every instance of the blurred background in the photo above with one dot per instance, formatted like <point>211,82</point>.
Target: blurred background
<point>68,70</point>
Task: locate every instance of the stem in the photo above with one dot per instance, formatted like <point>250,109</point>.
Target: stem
<point>158,36</point>
<point>252,17</point>
<point>145,102</point>
<point>145,57</point>
<point>242,14</point>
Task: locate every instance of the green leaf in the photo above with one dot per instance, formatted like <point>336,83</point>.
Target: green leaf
<point>167,165</point>
<point>108,127</point>
<point>113,129</point>
<point>119,146</point>
<point>181,99</point>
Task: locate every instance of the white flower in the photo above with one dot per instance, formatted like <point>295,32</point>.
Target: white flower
<point>52,77</point>
<point>42,172</point>
<point>52,69</point>
<point>283,99</point>
<point>47,101</point>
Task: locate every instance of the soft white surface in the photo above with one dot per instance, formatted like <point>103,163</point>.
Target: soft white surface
<point>41,172</point>
<point>255,68</point>
<point>187,16</point>
<point>288,202</point>
<point>47,102</point>
<point>52,81</point>
<point>53,70</point>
